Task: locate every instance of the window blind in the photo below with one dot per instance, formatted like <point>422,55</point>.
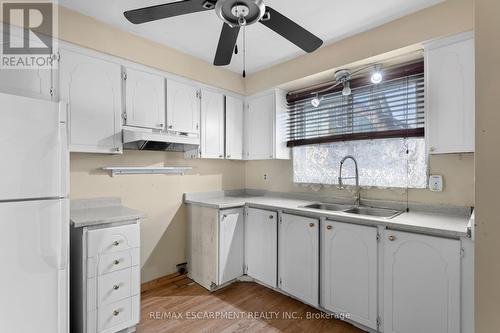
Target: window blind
<point>391,109</point>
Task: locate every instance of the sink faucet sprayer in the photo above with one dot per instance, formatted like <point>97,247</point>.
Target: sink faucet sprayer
<point>341,185</point>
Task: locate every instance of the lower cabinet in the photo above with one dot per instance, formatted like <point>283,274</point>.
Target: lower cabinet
<point>421,283</point>
<point>298,257</point>
<point>215,245</point>
<point>261,237</point>
<point>349,281</point>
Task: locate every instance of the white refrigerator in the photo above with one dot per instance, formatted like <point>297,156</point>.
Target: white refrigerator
<point>34,216</point>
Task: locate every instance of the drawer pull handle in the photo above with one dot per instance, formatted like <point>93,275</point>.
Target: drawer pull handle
<point>329,227</point>
<point>116,262</point>
<point>311,225</point>
<point>392,238</point>
<point>116,313</point>
<point>116,243</point>
<point>116,287</point>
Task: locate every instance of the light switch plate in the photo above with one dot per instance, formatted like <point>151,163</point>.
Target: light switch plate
<point>436,183</point>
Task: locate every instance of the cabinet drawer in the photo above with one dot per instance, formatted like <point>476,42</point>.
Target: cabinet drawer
<point>120,314</point>
<point>118,285</point>
<point>114,239</point>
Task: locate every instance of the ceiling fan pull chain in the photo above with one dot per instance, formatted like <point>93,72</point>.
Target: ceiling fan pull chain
<point>244,51</point>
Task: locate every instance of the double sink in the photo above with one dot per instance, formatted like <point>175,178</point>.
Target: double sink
<point>355,210</point>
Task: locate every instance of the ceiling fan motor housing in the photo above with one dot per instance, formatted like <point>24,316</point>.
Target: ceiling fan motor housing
<point>240,12</point>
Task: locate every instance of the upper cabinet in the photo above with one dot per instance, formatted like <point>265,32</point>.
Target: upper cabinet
<point>234,128</point>
<point>450,94</point>
<point>183,107</point>
<point>91,86</point>
<point>144,99</point>
<point>265,127</point>
<point>34,83</point>
<point>212,124</point>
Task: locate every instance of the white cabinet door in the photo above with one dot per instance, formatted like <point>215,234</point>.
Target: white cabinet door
<point>259,127</point>
<point>349,261</point>
<point>212,124</point>
<point>450,95</point>
<point>92,88</point>
<point>298,257</point>
<point>35,83</point>
<point>183,107</point>
<point>234,128</point>
<point>144,99</point>
<point>421,283</point>
<point>230,245</point>
<point>261,237</point>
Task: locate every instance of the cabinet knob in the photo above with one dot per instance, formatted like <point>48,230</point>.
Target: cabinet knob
<point>117,149</point>
<point>116,262</point>
<point>170,126</point>
<point>329,227</point>
<point>432,148</point>
<point>311,225</point>
<point>221,156</point>
<point>228,156</point>
<point>271,217</point>
<point>160,125</point>
<point>116,287</point>
<point>116,313</point>
<point>116,243</point>
<point>392,238</point>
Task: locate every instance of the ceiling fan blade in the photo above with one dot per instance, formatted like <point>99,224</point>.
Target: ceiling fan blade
<point>227,41</point>
<point>290,30</point>
<point>158,12</point>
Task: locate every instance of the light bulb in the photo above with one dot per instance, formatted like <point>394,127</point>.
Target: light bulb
<point>377,76</point>
<point>315,102</point>
<point>347,89</point>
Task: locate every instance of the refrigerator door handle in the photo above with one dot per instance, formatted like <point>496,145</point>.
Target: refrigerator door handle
<point>64,241</point>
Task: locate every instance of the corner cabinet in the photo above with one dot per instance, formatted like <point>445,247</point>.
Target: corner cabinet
<point>261,244</point>
<point>349,271</point>
<point>265,126</point>
<point>421,283</point>
<point>298,257</point>
<point>183,107</point>
<point>91,86</point>
<point>144,99</point>
<point>450,94</point>
<point>214,245</point>
<point>212,124</point>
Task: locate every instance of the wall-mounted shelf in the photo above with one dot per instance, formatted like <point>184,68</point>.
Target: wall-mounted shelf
<point>146,170</point>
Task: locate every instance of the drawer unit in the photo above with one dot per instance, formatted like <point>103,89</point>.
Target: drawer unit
<point>105,278</point>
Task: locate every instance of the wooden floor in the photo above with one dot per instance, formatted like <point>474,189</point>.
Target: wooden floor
<point>179,305</point>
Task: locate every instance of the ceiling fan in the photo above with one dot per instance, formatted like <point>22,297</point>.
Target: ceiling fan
<point>235,14</point>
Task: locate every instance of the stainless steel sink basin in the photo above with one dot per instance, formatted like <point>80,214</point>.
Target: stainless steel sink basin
<point>328,206</point>
<point>371,211</point>
<point>349,209</point>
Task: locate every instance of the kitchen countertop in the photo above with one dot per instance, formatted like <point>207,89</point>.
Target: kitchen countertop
<point>436,220</point>
<point>86,212</point>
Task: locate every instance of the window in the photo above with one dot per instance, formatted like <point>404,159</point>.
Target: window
<point>381,125</point>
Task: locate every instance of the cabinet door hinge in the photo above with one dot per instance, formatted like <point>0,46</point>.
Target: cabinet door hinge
<point>124,76</point>
<point>379,322</point>
<point>280,282</point>
<point>378,237</point>
<point>52,91</point>
<point>281,220</point>
<point>198,94</point>
<point>245,269</point>
<point>124,116</point>
<point>462,252</point>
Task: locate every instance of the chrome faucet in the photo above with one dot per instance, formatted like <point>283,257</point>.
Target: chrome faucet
<point>341,185</point>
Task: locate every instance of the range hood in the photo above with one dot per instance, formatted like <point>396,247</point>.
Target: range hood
<point>144,139</point>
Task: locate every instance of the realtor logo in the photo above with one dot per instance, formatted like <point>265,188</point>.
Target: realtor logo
<point>27,35</point>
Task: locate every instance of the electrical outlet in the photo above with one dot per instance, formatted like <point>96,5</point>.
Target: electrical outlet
<point>436,183</point>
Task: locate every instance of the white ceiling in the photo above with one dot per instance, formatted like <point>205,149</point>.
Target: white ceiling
<point>197,34</point>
